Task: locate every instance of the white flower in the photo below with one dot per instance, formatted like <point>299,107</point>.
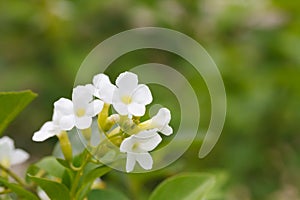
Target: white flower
<point>9,155</point>
<point>67,113</point>
<point>161,121</point>
<point>130,98</point>
<point>137,148</point>
<point>80,111</point>
<point>49,129</point>
<point>104,89</point>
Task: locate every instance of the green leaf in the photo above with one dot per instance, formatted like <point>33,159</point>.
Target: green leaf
<point>11,104</point>
<point>218,190</point>
<point>55,190</point>
<point>189,186</point>
<point>106,194</point>
<point>32,170</point>
<point>51,166</point>
<point>83,191</point>
<point>96,173</point>
<point>67,178</point>
<point>19,190</point>
<point>88,180</point>
<point>78,159</point>
<point>63,162</point>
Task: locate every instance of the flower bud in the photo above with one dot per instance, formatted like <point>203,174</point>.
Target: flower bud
<point>102,116</point>
<point>87,134</point>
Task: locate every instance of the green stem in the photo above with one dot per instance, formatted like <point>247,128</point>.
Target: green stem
<point>13,175</point>
<point>74,168</point>
<point>78,176</point>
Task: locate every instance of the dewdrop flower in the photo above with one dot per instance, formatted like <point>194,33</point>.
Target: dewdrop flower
<point>9,155</point>
<point>131,98</point>
<point>103,88</point>
<point>160,122</point>
<point>137,148</point>
<point>54,128</point>
<point>67,114</point>
<point>80,111</point>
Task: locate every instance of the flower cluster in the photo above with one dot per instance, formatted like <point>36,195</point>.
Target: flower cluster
<point>128,99</point>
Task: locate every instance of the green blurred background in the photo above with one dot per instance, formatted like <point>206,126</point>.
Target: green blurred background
<point>255,43</point>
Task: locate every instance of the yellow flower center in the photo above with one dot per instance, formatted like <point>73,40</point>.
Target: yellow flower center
<point>126,99</point>
<point>135,146</point>
<point>80,112</point>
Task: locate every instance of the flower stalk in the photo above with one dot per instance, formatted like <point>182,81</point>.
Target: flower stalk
<point>65,145</point>
<point>13,175</point>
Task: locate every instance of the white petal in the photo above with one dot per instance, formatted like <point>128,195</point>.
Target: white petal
<point>83,90</point>
<point>83,122</point>
<point>100,79</point>
<point>6,147</point>
<point>145,160</point>
<point>146,134</point>
<point>106,93</point>
<point>127,81</point>
<point>64,106</point>
<point>162,118</point>
<point>94,108</point>
<point>41,136</point>
<point>118,105</point>
<point>18,156</point>
<point>66,123</point>
<point>167,130</point>
<point>47,130</point>
<point>136,109</point>
<point>161,121</point>
<point>96,94</point>
<point>48,126</point>
<point>4,152</point>
<point>91,88</point>
<point>116,96</point>
<point>148,144</point>
<point>127,144</point>
<point>82,95</point>
<point>142,95</point>
<point>56,116</point>
<point>105,89</point>
<point>8,142</point>
<point>121,108</point>
<point>130,162</point>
